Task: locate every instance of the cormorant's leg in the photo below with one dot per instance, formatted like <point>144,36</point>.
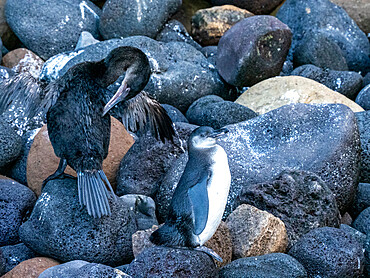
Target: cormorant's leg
<point>59,173</point>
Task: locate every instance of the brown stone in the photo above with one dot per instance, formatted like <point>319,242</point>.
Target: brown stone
<point>209,25</point>
<point>255,232</point>
<point>346,219</point>
<point>255,6</point>
<point>358,10</point>
<point>23,60</point>
<point>31,268</point>
<point>42,162</point>
<point>140,240</point>
<point>4,178</point>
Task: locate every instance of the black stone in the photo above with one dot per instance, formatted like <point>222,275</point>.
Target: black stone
<point>169,262</point>
<point>348,83</point>
<point>367,256</point>
<point>276,265</point>
<point>363,121</point>
<point>210,52</point>
<point>329,252</point>
<point>2,263</point>
<point>59,227</point>
<point>15,254</point>
<point>361,237</point>
<point>10,144</point>
<point>362,222</point>
<point>48,27</point>
<point>252,50</point>
<point>362,200</point>
<point>363,98</point>
<point>175,114</point>
<point>215,112</point>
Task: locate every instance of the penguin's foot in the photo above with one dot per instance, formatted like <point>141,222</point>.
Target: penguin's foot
<point>210,252</point>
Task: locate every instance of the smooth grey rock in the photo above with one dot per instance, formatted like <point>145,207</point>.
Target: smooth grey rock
<point>330,20</point>
<point>363,98</point>
<point>175,114</point>
<point>15,254</point>
<point>253,50</point>
<point>16,204</point>
<point>10,144</point>
<point>215,112</point>
<point>362,222</point>
<point>362,199</point>
<point>49,27</point>
<point>329,252</point>
<point>361,237</point>
<point>363,121</point>
<point>276,265</point>
<point>51,229</point>
<point>122,18</point>
<point>85,40</point>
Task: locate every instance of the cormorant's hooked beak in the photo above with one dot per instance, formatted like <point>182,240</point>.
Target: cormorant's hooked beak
<point>218,133</point>
<point>120,95</point>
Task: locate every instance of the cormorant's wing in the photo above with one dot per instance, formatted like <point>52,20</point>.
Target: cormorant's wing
<point>142,112</point>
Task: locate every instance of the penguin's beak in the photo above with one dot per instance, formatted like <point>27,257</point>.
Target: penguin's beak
<point>120,95</point>
<point>218,133</point>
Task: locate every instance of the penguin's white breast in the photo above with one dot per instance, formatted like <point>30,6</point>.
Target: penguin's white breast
<point>218,190</point>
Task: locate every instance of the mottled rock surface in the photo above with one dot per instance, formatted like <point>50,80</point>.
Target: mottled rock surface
<point>363,121</point>
<point>362,200</point>
<point>31,268</point>
<point>175,114</point>
<point>362,222</point>
<point>15,254</point>
<point>10,144</point>
<point>255,6</point>
<point>23,60</point>
<point>363,98</point>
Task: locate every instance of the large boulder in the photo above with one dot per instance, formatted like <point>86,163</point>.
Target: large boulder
<point>48,27</point>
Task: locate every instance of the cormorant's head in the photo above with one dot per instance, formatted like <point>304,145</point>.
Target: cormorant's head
<point>205,137</point>
<point>136,65</point>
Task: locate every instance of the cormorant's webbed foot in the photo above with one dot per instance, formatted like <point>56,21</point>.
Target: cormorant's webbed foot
<point>59,173</point>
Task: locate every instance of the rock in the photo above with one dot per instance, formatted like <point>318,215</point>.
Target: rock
<point>274,265</point>
<point>363,98</point>
<point>15,254</point>
<point>82,269</point>
<point>317,49</point>
<point>51,228</point>
<point>147,161</point>
<point>300,199</point>
<point>278,91</point>
<point>361,238</point>
<point>178,69</point>
<point>210,52</point>
<point>362,199</point>
<point>16,204</point>
<point>367,256</point>
<point>326,18</point>
<point>174,31</point>
<point>215,112</point>
<point>363,121</point>
<point>346,219</point>
<point>48,27</point>
<point>252,50</point>
<point>362,222</point>
<point>23,60</point>
<point>10,144</point>
<point>171,262</point>
<point>122,19</point>
<point>140,240</point>
<point>348,83</point>
<point>255,6</point>
<point>5,72</point>
<point>42,162</point>
<point>31,268</point>
<point>261,148</point>
<point>2,263</point>
<point>209,25</point>
<point>85,40</point>
<point>366,79</point>
<point>143,208</point>
<point>175,114</point>
<point>329,252</point>
<point>358,10</point>
<point>255,232</point>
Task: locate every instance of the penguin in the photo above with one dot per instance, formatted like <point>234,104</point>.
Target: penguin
<point>200,197</point>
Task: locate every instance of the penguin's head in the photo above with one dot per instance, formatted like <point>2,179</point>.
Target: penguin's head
<point>205,137</point>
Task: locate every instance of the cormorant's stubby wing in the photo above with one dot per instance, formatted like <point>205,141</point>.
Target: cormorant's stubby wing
<point>143,113</point>
<point>198,196</point>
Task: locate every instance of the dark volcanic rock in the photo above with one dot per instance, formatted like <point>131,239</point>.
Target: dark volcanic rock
<point>252,50</point>
<point>362,222</point>
<point>254,6</point>
<point>48,27</point>
<point>175,114</point>
<point>317,49</point>
<point>2,263</point>
<point>363,121</point>
<point>85,40</point>
<point>276,265</point>
<point>322,139</point>
<point>147,160</point>
<point>299,198</point>
<point>211,53</point>
<point>16,203</point>
<point>121,18</point>
<point>330,20</point>
<point>329,252</point>
<point>180,73</point>
<point>347,83</point>
<point>51,230</point>
<point>169,262</point>
<point>361,237</point>
<point>10,144</point>
<point>362,200</point>
<point>363,98</point>
<point>215,112</point>
<point>82,269</point>
<point>15,254</point>
<point>174,31</point>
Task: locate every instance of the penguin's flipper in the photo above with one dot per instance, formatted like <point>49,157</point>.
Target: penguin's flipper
<point>198,196</point>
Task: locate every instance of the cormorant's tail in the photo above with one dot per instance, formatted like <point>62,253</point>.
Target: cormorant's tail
<point>167,235</point>
<point>93,193</point>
